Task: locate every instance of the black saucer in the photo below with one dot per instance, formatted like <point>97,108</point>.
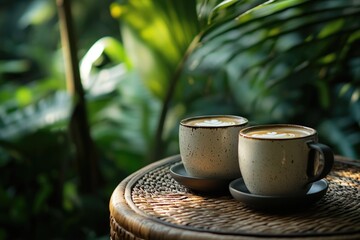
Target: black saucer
<point>179,173</point>
<point>239,191</point>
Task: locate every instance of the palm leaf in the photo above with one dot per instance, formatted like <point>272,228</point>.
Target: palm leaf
<point>262,43</point>
<point>50,111</point>
<point>156,35</point>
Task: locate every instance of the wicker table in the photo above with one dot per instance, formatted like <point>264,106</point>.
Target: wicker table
<point>150,204</point>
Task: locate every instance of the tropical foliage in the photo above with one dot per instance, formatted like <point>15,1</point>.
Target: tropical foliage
<point>295,61</point>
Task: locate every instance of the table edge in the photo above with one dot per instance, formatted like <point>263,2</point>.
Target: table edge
<point>125,213</point>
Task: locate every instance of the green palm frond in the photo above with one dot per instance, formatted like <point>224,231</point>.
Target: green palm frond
<point>278,41</point>
<point>51,111</point>
<point>156,35</point>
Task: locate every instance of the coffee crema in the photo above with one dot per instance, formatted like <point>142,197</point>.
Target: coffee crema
<point>215,121</point>
<point>278,132</point>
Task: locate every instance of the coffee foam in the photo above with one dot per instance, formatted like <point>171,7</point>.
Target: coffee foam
<point>215,121</point>
<point>274,135</point>
<point>279,133</point>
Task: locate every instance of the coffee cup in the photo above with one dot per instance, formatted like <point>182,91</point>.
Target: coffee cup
<point>282,159</point>
<point>209,145</point>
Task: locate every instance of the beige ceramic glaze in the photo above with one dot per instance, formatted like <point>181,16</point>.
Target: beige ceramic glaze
<point>277,162</point>
<point>209,146</point>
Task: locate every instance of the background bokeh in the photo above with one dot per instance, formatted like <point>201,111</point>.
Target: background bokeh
<point>145,65</point>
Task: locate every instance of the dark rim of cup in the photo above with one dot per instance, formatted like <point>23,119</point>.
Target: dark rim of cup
<point>184,121</point>
<point>243,132</point>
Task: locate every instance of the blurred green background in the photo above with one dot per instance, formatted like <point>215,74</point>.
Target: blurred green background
<point>144,66</point>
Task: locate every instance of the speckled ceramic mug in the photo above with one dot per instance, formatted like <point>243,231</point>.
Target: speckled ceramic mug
<point>282,159</point>
<point>209,145</point>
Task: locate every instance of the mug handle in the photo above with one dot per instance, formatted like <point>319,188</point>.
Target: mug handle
<point>328,157</point>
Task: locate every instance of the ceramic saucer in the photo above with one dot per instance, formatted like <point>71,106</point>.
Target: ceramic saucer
<point>239,191</point>
<point>179,173</point>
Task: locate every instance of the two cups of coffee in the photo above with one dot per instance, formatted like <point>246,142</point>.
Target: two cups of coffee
<point>274,160</point>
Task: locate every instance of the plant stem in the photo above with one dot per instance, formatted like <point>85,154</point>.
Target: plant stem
<point>158,148</point>
<point>86,155</point>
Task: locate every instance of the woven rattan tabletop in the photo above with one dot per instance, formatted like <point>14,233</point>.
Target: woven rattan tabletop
<point>150,204</point>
